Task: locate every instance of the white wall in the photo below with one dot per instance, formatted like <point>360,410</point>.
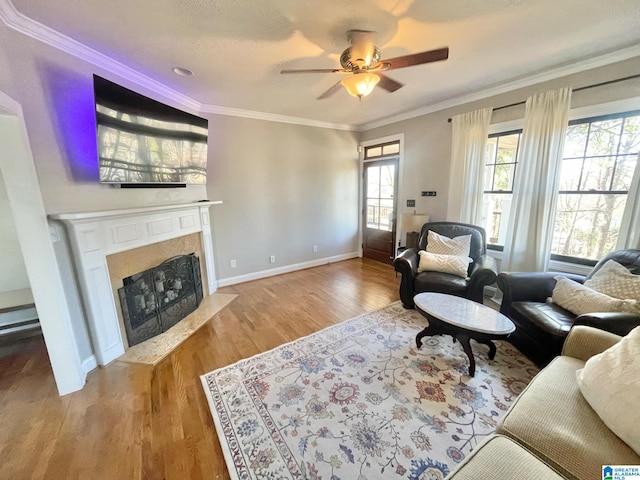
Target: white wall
<point>13,273</point>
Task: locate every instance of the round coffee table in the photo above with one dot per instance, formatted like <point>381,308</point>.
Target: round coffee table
<point>462,319</point>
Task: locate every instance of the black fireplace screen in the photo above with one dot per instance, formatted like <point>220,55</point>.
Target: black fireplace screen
<point>156,299</point>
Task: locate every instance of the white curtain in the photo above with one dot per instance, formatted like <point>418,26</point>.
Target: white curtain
<point>535,189</point>
<point>469,135</point>
<point>629,236</point>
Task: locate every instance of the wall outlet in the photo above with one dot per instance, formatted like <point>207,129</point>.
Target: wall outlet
<point>411,203</point>
<point>315,249</point>
<point>233,263</point>
<point>272,259</point>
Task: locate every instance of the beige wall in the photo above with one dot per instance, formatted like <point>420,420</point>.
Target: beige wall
<point>428,137</point>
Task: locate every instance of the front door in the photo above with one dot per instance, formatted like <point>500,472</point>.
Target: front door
<point>380,193</point>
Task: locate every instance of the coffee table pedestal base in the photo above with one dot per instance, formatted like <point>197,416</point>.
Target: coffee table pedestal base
<point>438,327</point>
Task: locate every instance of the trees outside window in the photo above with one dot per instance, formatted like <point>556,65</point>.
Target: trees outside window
<point>599,160</point>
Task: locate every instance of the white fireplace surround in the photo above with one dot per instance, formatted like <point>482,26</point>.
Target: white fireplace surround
<point>94,235</point>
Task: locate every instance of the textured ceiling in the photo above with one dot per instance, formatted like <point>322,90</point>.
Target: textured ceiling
<point>238,47</point>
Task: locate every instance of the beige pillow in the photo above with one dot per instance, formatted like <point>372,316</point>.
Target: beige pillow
<point>579,299</point>
<point>434,262</point>
<point>458,246</point>
<point>610,382</point>
<point>616,281</point>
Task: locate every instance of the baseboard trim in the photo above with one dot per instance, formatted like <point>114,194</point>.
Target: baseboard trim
<point>89,364</point>
<point>225,282</point>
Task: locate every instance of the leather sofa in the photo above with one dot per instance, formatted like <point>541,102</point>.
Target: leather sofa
<point>542,326</point>
<point>482,271</point>
<point>551,432</point>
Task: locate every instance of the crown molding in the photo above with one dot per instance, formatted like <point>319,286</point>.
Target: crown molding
<point>551,74</point>
<point>273,117</point>
<point>29,27</point>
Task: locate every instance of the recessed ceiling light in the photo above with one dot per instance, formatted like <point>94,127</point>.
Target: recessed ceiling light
<point>183,72</point>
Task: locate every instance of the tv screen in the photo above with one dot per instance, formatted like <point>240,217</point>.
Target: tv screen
<point>142,141</point>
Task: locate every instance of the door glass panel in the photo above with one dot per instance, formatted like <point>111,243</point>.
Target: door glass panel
<point>373,182</point>
<point>386,181</point>
<point>380,183</point>
<point>386,214</point>
<point>373,212</point>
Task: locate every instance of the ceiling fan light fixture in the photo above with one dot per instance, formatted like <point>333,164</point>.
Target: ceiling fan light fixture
<point>360,84</point>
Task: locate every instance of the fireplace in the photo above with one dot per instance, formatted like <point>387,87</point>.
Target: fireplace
<point>110,242</point>
<point>156,299</point>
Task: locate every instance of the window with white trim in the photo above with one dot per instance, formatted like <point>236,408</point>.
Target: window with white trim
<point>599,160</point>
<point>499,173</point>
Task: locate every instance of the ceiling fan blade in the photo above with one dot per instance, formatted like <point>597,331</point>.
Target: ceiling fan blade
<point>379,67</point>
<point>316,70</point>
<point>389,84</point>
<point>333,89</point>
<point>418,58</point>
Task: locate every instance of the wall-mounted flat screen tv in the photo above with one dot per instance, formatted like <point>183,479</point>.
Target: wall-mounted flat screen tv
<point>144,142</point>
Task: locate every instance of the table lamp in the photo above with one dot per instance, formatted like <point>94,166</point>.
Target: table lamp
<point>411,224</point>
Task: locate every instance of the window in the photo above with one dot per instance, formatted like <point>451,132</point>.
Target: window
<point>500,168</point>
<point>599,160</point>
<point>381,150</point>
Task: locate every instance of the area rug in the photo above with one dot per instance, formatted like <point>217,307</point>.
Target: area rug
<point>358,401</point>
<point>155,349</point>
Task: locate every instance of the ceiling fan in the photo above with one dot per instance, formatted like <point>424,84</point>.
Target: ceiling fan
<point>362,62</point>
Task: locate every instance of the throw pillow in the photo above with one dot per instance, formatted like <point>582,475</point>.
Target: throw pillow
<point>610,382</point>
<point>579,299</point>
<point>458,246</point>
<point>616,281</point>
<point>434,262</point>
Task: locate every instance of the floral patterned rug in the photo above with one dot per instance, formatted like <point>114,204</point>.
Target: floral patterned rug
<point>357,400</point>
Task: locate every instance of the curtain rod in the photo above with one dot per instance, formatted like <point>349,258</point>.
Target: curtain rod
<point>601,84</point>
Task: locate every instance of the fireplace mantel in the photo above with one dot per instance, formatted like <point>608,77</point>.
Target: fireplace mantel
<point>94,235</point>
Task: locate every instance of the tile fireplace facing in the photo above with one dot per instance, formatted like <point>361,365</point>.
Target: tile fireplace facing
<point>97,237</point>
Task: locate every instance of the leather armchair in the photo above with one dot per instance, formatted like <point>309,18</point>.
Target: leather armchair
<point>482,271</point>
<point>542,326</point>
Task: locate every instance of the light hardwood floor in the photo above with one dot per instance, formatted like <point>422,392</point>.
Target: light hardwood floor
<point>138,422</point>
